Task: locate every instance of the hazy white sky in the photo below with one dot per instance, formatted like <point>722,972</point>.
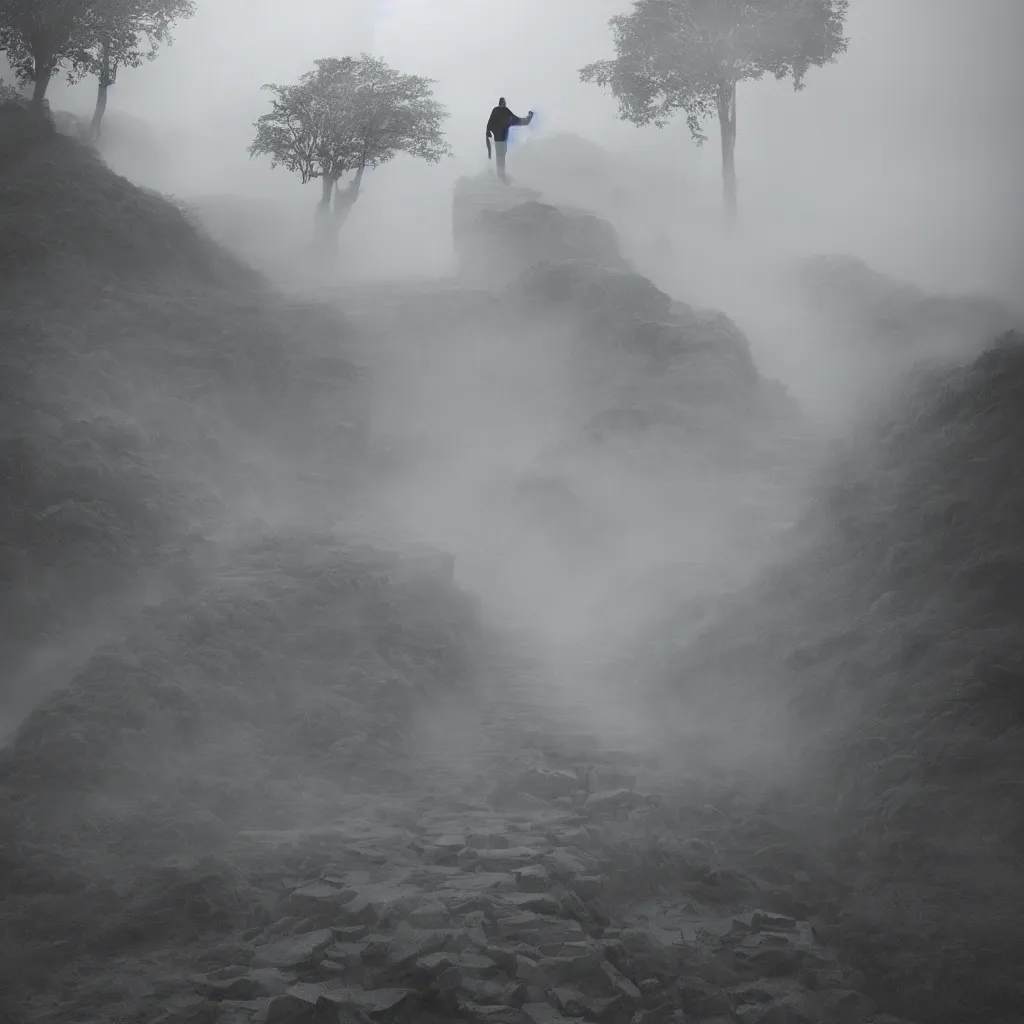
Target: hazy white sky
<point>921,119</point>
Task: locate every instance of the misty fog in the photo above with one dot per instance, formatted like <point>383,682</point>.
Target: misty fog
<point>556,536</point>
<point>906,152</point>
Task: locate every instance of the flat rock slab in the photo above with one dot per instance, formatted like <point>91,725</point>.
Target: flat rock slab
<point>317,898</point>
<point>480,881</point>
<point>538,902</point>
<point>613,800</point>
<point>473,965</point>
<point>502,860</point>
<point>295,952</point>
<point>547,783</point>
<point>778,1014</point>
<point>544,1013</point>
<point>563,864</point>
<point>535,929</point>
<point>383,1004</point>
<point>474,1013</point>
<point>331,1001</point>
<point>377,903</point>
<point>449,841</point>
<point>252,984</point>
<point>601,779</point>
<point>533,879</point>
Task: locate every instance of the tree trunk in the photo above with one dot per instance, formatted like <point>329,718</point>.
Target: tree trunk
<point>106,80</point>
<point>326,190</point>
<point>42,81</point>
<point>727,124</point>
<point>344,200</point>
<point>325,238</point>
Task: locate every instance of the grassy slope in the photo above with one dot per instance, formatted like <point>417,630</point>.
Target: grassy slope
<point>136,357</point>
<point>156,393</point>
<point>892,637</point>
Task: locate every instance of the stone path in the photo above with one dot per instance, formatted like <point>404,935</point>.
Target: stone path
<point>525,879</point>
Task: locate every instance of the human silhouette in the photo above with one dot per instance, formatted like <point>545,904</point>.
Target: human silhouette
<point>498,124</point>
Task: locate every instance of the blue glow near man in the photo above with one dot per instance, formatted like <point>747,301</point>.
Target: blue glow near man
<point>498,124</point>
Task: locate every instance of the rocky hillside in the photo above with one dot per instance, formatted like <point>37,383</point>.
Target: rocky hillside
<point>884,656</point>
<point>189,643</point>
<point>906,321</point>
<point>636,354</point>
<point>298,779</point>
<point>870,329</point>
<point>657,415</point>
<point>146,376</point>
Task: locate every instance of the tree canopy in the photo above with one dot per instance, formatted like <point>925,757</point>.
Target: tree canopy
<point>125,34</point>
<point>84,37</point>
<point>42,36</point>
<point>689,55</point>
<point>347,115</point>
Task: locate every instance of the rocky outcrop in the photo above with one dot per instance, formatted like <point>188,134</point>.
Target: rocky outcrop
<point>648,366</point>
<point>640,358</point>
<point>644,393</point>
<point>501,230</point>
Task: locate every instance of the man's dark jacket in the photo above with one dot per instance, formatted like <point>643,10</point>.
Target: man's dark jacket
<point>500,121</point>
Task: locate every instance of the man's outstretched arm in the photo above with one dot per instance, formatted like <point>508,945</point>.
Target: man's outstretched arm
<point>523,120</point>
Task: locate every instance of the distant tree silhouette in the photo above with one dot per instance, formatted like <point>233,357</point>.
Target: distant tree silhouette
<point>346,115</point>
<point>125,34</point>
<point>689,56</point>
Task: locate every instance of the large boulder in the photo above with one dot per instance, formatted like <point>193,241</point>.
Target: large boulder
<point>644,364</point>
<point>500,231</point>
<point>634,365</point>
<point>595,288</point>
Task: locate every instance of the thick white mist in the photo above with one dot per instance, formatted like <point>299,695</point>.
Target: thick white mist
<point>905,152</point>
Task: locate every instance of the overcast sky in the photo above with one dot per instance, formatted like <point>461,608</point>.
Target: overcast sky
<point>920,122</point>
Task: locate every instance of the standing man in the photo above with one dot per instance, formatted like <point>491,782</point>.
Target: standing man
<point>498,124</point>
